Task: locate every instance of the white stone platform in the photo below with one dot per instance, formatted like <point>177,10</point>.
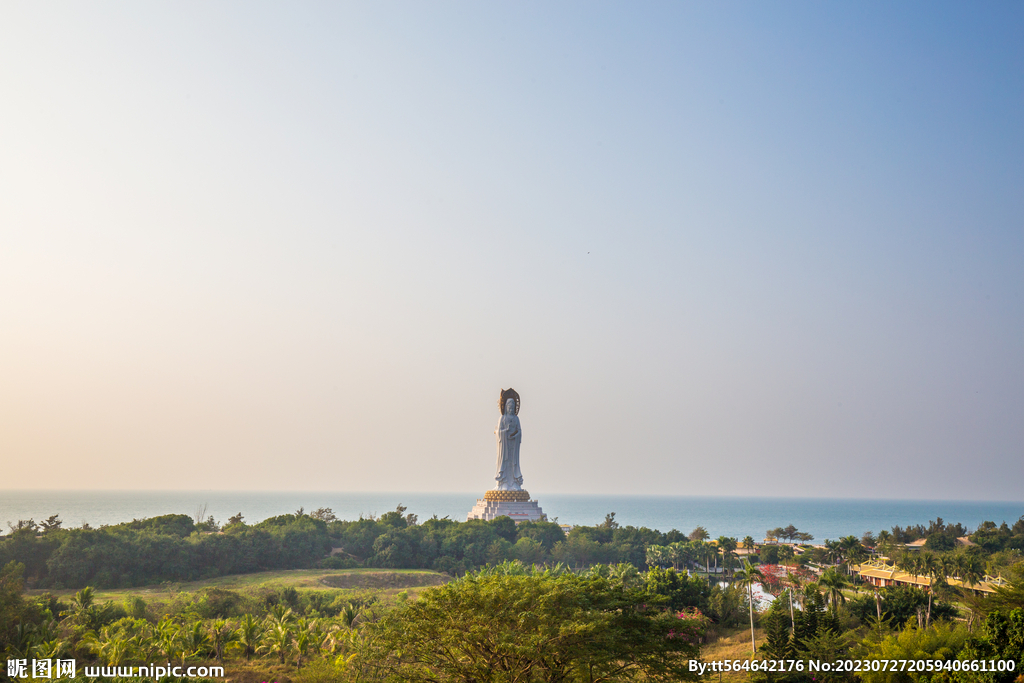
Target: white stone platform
<point>518,510</point>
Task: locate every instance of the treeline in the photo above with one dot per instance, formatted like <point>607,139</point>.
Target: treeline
<point>1003,537</point>
<point>936,527</point>
<point>167,548</point>
<point>458,547</point>
<point>940,535</point>
<point>175,548</point>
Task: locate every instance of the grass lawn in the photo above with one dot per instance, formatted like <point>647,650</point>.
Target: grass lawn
<point>387,580</point>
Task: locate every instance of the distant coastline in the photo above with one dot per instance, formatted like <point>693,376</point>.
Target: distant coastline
<point>730,516</point>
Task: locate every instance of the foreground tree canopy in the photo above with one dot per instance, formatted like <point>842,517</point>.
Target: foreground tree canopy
<point>532,627</point>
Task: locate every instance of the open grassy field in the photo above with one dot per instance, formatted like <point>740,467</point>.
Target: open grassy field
<point>386,580</point>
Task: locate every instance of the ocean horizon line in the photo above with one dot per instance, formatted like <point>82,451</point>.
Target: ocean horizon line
<point>384,492</point>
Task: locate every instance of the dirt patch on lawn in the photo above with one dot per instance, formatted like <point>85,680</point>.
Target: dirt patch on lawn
<point>384,580</point>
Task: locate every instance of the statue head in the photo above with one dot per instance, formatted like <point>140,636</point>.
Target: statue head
<point>510,406</point>
<point>506,396</point>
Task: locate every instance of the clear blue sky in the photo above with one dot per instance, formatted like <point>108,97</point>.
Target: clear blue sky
<point>719,248</point>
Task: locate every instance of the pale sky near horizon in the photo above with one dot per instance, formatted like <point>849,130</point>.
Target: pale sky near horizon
<point>718,248</point>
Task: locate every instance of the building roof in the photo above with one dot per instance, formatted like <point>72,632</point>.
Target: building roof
<point>879,569</point>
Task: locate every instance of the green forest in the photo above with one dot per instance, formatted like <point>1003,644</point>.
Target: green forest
<point>178,548</point>
<point>497,601</point>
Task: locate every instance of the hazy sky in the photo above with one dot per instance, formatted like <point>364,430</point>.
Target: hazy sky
<point>719,248</point>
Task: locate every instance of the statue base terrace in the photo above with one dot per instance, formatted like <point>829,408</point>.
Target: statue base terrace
<point>513,504</point>
<point>507,496</point>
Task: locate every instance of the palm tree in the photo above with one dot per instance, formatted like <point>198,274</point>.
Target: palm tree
<point>167,638</point>
<point>24,639</point>
<point>110,645</point>
<point>971,572</point>
<point>701,552</point>
<point>909,563</point>
<point>51,649</point>
<point>679,554</point>
<point>344,643</point>
<point>792,583</point>
<point>281,614</point>
<point>883,541</point>
<point>84,610</point>
<point>45,640</point>
<point>833,582</point>
<point>195,641</point>
<point>970,569</point>
<point>878,603</point>
<point>728,546</point>
<point>949,568</point>
<point>748,542</point>
<point>278,641</point>
<point>348,615</point>
<point>934,570</point>
<point>699,534</point>
<point>303,641</point>
<point>143,640</point>
<point>83,599</point>
<point>710,550</point>
<point>746,578</point>
<point>657,555</point>
<point>624,574</point>
<point>853,551</point>
<point>221,637</point>
<point>317,626</point>
<point>249,635</point>
<point>833,551</point>
<point>340,639</point>
<point>557,569</point>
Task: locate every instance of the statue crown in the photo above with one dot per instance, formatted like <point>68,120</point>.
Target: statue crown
<point>506,394</point>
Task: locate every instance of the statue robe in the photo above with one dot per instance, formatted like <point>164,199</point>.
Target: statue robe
<point>510,436</point>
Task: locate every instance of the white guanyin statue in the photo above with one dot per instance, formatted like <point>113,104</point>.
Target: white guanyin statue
<point>507,498</point>
<point>510,435</point>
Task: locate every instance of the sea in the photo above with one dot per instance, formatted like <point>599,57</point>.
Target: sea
<point>824,518</point>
